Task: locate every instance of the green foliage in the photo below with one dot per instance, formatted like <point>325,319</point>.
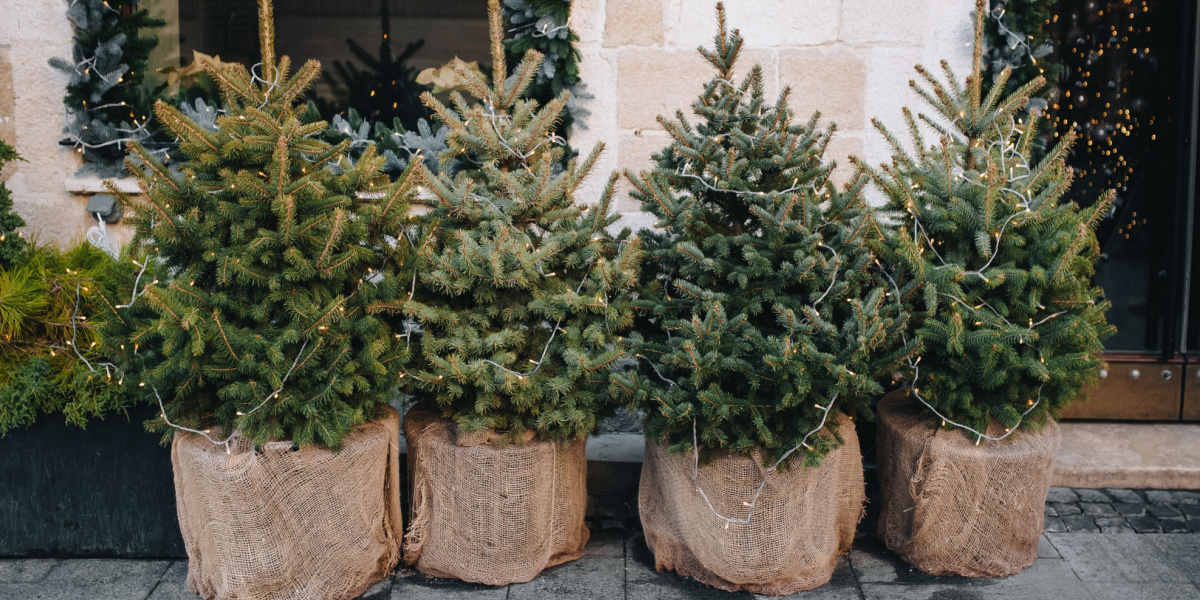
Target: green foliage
<point>46,297</point>
<point>12,243</point>
<point>993,262</point>
<point>522,294</point>
<point>106,103</point>
<point>542,26</point>
<point>759,306</point>
<point>1018,38</point>
<point>274,323</point>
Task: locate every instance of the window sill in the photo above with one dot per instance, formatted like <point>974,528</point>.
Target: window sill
<point>90,184</point>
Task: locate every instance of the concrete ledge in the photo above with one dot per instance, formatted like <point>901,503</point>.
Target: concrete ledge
<point>88,184</point>
<point>1160,456</point>
<point>1129,455</point>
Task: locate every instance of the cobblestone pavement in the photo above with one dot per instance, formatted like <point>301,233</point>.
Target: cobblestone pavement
<point>1113,544</point>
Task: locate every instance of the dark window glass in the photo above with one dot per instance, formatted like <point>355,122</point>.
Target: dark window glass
<point>1125,91</point>
<point>323,30</point>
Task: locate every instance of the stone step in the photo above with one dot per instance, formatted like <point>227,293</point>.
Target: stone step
<point>1129,455</point>
<point>1159,456</point>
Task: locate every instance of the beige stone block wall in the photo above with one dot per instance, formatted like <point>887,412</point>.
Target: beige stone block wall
<point>849,59</point>
<point>34,31</point>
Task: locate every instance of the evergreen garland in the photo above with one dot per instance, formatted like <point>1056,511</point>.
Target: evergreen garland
<point>1018,38</point>
<point>49,360</point>
<point>12,242</point>
<point>283,270</point>
<point>105,101</point>
<point>760,311</point>
<point>543,25</point>
<point>523,295</point>
<point>991,259</point>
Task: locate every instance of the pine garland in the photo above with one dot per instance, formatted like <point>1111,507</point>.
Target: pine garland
<point>544,26</point>
<point>523,294</point>
<point>993,262</point>
<point>284,271</point>
<point>760,311</point>
<point>106,104</point>
<point>49,359</point>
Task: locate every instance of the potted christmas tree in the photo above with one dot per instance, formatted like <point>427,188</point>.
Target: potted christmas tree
<point>996,269</point>
<point>521,300</point>
<point>268,353</point>
<point>762,322</point>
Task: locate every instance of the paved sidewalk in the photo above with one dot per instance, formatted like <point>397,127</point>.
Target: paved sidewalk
<point>617,565</point>
<point>1098,544</point>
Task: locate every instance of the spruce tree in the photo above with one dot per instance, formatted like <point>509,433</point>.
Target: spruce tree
<point>274,322</point>
<point>12,242</point>
<point>759,307</point>
<point>991,259</point>
<point>523,295</point>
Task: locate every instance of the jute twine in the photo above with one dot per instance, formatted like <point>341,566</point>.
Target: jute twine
<point>803,520</point>
<point>290,523</point>
<point>951,507</point>
<point>487,514</point>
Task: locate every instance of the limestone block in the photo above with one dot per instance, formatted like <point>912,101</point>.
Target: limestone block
<point>830,79</point>
<point>587,21</point>
<point>843,145</point>
<point>633,23</point>
<point>887,92</point>
<point>8,126</point>
<point>654,81</point>
<point>598,97</point>
<point>763,23</point>
<point>635,156</point>
<point>893,21</point>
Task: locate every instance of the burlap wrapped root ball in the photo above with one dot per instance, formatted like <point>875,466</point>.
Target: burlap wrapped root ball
<point>285,523</point>
<point>951,507</point>
<point>803,520</point>
<point>488,514</point>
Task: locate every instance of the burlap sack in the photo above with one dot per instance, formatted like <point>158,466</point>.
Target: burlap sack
<point>802,521</point>
<point>951,507</point>
<point>282,523</point>
<point>491,515</point>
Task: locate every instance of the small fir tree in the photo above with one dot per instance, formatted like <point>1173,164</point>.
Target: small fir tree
<point>106,102</point>
<point>273,323</point>
<point>994,263</point>
<point>760,311</point>
<point>522,295</point>
<point>12,242</point>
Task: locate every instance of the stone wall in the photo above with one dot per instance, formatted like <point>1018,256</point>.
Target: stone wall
<point>851,59</point>
<point>32,32</point>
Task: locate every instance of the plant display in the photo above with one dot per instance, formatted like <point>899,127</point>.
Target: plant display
<point>759,308</point>
<point>106,103</point>
<point>12,242</point>
<point>995,265</point>
<point>522,294</point>
<point>273,324</point>
<point>49,362</point>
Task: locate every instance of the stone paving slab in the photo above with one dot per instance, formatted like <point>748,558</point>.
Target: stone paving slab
<point>1099,544</point>
<point>1069,567</point>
